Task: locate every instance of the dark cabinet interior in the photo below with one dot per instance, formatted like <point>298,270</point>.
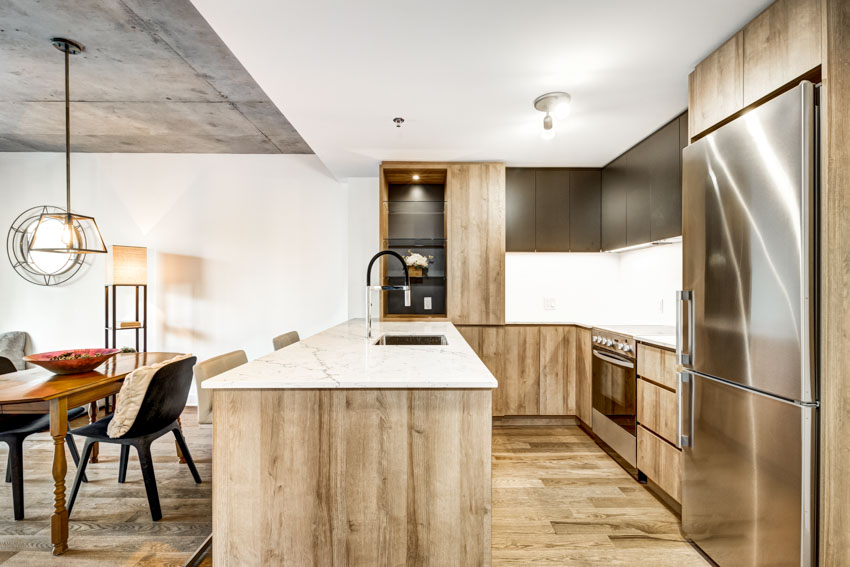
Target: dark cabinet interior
<point>519,209</point>
<point>551,210</point>
<point>416,223</point>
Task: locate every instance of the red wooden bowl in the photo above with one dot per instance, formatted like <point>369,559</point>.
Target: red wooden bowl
<point>97,356</point>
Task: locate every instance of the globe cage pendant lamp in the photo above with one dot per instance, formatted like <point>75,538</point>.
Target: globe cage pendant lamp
<point>67,232</point>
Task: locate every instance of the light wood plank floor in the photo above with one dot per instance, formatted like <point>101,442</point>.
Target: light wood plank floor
<point>111,523</point>
<point>557,500</point>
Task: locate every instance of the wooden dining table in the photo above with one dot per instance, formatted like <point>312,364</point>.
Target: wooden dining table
<point>39,391</point>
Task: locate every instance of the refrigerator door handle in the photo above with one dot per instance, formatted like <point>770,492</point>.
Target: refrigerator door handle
<point>682,357</point>
<point>685,440</point>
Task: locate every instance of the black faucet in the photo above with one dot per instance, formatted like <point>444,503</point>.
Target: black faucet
<point>405,288</point>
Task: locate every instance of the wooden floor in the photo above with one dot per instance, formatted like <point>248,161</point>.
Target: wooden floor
<point>111,523</point>
<point>558,499</point>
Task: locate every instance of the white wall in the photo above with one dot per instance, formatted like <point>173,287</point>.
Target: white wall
<point>363,238</point>
<point>240,247</point>
<point>635,287</point>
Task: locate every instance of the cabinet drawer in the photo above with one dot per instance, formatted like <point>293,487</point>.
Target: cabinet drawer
<point>657,410</point>
<point>658,365</point>
<point>659,461</point>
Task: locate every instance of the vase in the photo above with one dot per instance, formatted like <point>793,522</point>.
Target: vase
<point>415,272</point>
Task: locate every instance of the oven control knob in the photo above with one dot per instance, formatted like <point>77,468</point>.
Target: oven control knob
<point>609,342</point>
<point>595,339</point>
<point>619,346</point>
<point>627,348</point>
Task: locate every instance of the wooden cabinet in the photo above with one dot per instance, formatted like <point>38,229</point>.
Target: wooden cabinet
<point>615,193</point>
<point>584,379</point>
<point>475,207</point>
<point>521,392</point>
<point>657,410</point>
<point>659,461</point>
<point>519,209</point>
<point>585,210</point>
<point>557,370</point>
<point>658,365</point>
<point>552,210</point>
<point>716,86</point>
<point>781,44</point>
<point>775,50</point>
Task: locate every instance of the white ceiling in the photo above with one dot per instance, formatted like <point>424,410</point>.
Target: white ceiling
<point>464,73</point>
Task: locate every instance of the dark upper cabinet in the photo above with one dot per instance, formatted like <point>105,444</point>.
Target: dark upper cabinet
<point>552,210</point>
<point>585,210</point>
<point>638,206</point>
<point>614,199</point>
<point>519,209</point>
<point>665,182</point>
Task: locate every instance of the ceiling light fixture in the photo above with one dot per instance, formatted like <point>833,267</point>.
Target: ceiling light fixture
<point>76,230</point>
<point>557,104</point>
<point>415,177</point>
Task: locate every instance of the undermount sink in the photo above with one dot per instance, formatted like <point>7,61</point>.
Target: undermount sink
<point>421,340</point>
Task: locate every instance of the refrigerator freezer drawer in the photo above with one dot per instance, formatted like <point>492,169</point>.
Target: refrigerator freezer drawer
<point>748,475</point>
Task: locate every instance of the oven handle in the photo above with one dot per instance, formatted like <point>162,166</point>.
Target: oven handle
<point>612,360</point>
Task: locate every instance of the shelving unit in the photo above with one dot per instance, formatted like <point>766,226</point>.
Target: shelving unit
<point>113,328</point>
<point>413,219</point>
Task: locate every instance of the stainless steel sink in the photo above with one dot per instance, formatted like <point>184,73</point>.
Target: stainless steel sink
<point>412,340</point>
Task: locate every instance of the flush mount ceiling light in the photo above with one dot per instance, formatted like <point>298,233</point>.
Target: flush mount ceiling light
<point>76,234</point>
<point>555,104</point>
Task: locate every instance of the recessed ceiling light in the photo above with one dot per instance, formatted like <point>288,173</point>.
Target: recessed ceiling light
<point>415,177</point>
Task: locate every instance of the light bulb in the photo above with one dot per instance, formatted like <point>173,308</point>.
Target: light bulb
<point>69,233</point>
<point>562,110</point>
<point>415,177</point>
<point>548,134</point>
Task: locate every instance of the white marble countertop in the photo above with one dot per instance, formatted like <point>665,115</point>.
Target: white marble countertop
<point>658,335</point>
<point>342,357</point>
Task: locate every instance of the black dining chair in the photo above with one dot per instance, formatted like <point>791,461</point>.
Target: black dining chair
<point>163,403</point>
<point>14,429</point>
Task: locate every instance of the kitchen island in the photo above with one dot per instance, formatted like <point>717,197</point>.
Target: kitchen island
<point>340,451</point>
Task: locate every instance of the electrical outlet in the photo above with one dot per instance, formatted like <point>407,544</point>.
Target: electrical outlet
<point>427,303</point>
<point>549,303</point>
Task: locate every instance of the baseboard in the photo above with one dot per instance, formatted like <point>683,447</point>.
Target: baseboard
<point>534,420</point>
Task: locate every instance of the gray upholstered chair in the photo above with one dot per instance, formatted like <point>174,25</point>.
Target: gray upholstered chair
<point>208,369</point>
<point>285,340</point>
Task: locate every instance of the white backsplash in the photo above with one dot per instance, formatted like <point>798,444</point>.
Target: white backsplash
<point>636,287</point>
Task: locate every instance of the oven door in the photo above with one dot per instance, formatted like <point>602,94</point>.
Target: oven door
<point>615,403</point>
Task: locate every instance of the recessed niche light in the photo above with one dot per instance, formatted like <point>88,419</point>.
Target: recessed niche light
<point>415,177</point>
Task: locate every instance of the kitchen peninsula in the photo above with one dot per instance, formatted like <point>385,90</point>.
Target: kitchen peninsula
<point>340,451</point>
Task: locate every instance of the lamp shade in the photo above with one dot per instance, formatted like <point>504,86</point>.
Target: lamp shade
<point>127,265</point>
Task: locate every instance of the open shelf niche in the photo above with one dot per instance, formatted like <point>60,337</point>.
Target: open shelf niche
<point>413,220</point>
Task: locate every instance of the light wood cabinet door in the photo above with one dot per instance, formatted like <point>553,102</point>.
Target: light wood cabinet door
<point>659,461</point>
<point>488,342</point>
<point>557,370</point>
<point>475,202</point>
<point>658,365</point>
<point>716,86</point>
<point>782,44</point>
<point>657,410</point>
<point>520,393</point>
<point>584,379</point>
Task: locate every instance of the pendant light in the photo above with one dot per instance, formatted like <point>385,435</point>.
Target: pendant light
<point>557,103</point>
<point>67,232</point>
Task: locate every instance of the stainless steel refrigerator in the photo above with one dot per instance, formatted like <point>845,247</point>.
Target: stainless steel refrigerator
<point>748,322</point>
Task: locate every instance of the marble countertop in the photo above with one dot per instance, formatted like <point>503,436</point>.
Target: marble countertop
<point>658,335</point>
<point>342,357</point>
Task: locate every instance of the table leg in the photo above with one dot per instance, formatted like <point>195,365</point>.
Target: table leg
<point>92,419</point>
<point>180,457</point>
<point>59,518</point>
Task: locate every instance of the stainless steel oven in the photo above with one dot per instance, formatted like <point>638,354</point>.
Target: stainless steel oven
<point>615,393</point>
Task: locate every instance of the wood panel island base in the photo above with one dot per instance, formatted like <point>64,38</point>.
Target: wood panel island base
<point>385,460</point>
